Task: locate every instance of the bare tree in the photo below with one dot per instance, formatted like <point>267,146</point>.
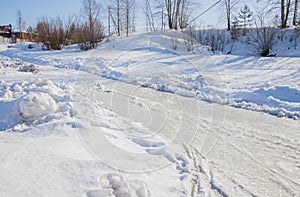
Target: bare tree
<point>284,12</point>
<point>119,16</point>
<point>295,12</point>
<point>284,7</point>
<point>129,5</point>
<point>177,13</point>
<point>229,6</point>
<point>51,33</point>
<point>149,16</point>
<point>30,30</point>
<point>70,29</point>
<point>91,10</point>
<point>265,35</point>
<point>228,14</point>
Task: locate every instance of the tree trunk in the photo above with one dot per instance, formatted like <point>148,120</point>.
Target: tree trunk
<point>162,18</point>
<point>282,15</point>
<point>178,2</point>
<point>109,21</point>
<point>287,12</point>
<point>169,13</point>
<point>228,14</point>
<point>127,17</point>
<point>284,11</point>
<point>119,18</point>
<point>295,13</point>
<point>182,15</point>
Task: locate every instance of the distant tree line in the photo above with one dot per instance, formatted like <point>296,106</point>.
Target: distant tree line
<point>87,28</point>
<point>55,33</point>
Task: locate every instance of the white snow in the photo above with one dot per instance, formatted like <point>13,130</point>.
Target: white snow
<point>136,118</point>
<point>35,105</point>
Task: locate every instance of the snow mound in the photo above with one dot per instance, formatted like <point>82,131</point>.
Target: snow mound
<point>9,116</point>
<point>3,47</point>
<point>28,68</point>
<point>27,102</point>
<point>272,95</point>
<point>18,65</point>
<point>116,185</point>
<point>282,101</point>
<point>35,105</point>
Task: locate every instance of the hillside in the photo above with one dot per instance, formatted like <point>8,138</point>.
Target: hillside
<point>135,117</point>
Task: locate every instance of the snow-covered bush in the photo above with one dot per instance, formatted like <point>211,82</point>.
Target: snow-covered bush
<point>174,43</point>
<point>296,35</point>
<point>265,38</point>
<point>216,39</point>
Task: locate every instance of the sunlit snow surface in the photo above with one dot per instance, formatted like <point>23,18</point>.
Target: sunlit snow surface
<point>137,118</point>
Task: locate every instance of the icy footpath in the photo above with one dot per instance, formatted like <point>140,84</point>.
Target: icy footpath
<point>33,101</point>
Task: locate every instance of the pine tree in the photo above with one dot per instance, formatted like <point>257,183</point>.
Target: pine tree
<point>245,16</point>
<point>235,29</point>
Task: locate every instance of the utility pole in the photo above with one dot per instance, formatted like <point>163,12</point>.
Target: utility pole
<point>20,22</point>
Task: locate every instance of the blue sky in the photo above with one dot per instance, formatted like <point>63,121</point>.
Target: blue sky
<point>32,10</point>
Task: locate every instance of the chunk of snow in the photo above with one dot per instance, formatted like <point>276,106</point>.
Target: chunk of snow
<point>35,105</point>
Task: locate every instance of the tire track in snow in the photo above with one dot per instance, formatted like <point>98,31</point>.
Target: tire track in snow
<point>205,179</point>
<point>270,171</point>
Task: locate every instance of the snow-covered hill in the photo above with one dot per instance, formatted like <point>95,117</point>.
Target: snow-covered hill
<point>137,118</point>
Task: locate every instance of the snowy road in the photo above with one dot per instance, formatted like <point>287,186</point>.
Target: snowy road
<point>128,119</point>
<point>228,151</point>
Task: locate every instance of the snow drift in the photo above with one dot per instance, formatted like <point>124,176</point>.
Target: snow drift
<point>26,102</point>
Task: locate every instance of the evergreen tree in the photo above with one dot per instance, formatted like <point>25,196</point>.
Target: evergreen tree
<point>235,29</point>
<point>245,18</point>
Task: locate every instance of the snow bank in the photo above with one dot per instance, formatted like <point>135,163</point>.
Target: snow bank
<point>3,46</point>
<point>239,81</point>
<point>18,65</point>
<point>27,102</point>
<point>274,96</point>
<point>281,101</point>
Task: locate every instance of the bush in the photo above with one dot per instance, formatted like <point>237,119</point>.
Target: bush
<point>266,38</point>
<point>215,39</point>
<point>51,33</point>
<point>30,46</point>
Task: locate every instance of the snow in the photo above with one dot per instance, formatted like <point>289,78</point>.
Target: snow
<point>136,118</point>
<point>35,105</point>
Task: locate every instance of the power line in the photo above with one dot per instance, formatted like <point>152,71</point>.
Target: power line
<point>205,11</point>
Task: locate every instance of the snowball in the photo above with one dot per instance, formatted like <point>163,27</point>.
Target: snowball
<point>35,105</point>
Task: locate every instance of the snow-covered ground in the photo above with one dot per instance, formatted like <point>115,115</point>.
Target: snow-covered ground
<point>137,118</point>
